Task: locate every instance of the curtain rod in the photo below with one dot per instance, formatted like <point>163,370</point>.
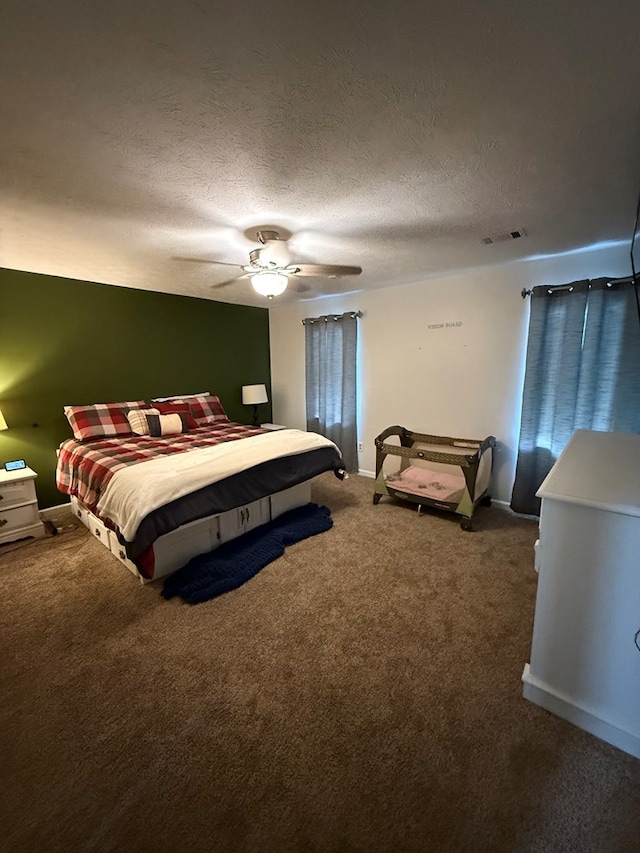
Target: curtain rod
<point>327,317</point>
<point>627,278</point>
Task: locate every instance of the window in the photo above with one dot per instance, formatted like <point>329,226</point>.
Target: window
<point>582,372</point>
<point>330,367</point>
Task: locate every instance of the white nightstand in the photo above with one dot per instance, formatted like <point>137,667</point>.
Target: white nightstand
<point>273,426</point>
<point>19,516</point>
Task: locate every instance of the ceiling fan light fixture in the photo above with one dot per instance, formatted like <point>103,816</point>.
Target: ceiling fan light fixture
<point>274,253</point>
<point>269,284</point>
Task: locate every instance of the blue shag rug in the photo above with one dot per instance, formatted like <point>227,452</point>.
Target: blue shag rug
<point>232,564</point>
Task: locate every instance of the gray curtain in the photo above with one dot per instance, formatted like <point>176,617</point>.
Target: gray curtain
<point>330,352</point>
<point>582,372</point>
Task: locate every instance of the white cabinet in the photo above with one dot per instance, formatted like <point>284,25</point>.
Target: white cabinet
<point>291,498</point>
<point>174,550</point>
<point>19,515</point>
<point>585,661</point>
<point>80,511</point>
<point>242,519</point>
<point>100,530</point>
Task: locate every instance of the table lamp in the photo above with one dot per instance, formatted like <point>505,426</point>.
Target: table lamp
<point>253,395</point>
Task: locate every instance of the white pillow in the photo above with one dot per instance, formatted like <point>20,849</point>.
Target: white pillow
<point>179,397</point>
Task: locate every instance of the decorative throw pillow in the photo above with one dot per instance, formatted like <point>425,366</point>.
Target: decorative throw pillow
<point>101,420</point>
<point>138,420</point>
<point>150,422</point>
<point>172,407</point>
<point>206,409</point>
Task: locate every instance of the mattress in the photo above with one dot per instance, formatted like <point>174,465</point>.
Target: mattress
<point>447,486</point>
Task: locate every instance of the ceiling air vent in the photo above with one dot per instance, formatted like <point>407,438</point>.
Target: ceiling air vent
<point>502,236</point>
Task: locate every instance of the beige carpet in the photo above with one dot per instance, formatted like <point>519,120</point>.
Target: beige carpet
<point>362,693</point>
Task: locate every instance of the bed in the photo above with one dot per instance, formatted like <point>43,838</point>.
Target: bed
<point>434,470</point>
<point>158,483</point>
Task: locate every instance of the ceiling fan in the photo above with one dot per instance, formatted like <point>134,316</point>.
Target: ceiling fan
<point>271,264</point>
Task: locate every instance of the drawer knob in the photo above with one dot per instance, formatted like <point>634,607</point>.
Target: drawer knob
<point>1,497</point>
<point>3,521</point>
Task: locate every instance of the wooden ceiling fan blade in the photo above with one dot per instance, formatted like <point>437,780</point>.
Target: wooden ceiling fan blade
<point>229,281</point>
<point>205,261</point>
<point>325,270</point>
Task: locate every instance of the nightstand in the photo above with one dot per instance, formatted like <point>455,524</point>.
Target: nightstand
<point>19,516</point>
<point>273,426</point>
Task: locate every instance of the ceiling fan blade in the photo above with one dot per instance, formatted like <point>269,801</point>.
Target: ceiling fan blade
<point>229,281</point>
<point>326,270</point>
<point>205,261</point>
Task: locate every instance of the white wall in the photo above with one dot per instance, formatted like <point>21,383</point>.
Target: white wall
<point>463,380</point>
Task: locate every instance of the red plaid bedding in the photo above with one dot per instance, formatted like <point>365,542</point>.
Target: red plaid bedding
<point>85,468</point>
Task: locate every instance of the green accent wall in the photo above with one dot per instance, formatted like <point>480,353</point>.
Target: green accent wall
<point>67,342</point>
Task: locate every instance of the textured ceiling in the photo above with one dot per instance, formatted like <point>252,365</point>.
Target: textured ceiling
<point>392,136</point>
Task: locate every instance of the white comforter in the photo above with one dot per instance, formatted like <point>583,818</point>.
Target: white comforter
<point>135,491</point>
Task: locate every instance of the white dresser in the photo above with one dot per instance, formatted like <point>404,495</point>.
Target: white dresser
<point>585,660</point>
<point>19,516</point>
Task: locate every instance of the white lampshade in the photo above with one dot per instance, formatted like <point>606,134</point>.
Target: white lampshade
<point>269,284</point>
<point>3,423</point>
<point>254,394</point>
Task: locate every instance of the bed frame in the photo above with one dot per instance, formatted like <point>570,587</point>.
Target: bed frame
<point>472,456</point>
<point>173,550</point>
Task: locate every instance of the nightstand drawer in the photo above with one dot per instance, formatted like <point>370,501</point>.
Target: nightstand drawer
<point>17,493</point>
<point>15,519</point>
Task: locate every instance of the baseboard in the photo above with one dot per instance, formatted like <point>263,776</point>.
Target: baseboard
<point>52,510</point>
<point>364,473</point>
<point>552,700</point>
<point>54,518</point>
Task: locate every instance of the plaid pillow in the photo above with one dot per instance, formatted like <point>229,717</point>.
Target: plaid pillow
<point>101,420</point>
<point>172,407</point>
<point>205,409</point>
